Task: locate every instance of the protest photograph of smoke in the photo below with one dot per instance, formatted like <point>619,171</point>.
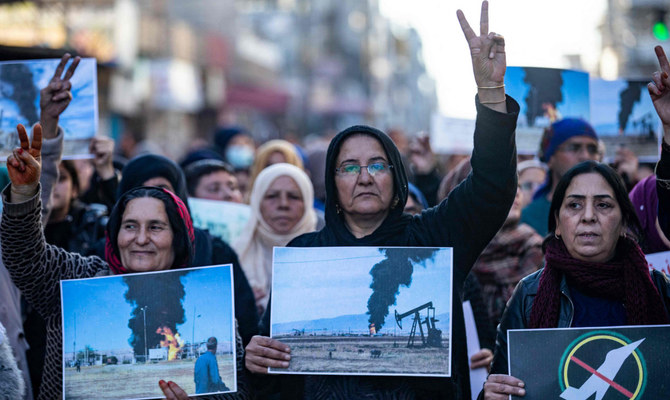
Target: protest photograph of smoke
<point>623,115</point>
<point>141,328</point>
<point>545,95</point>
<point>20,84</point>
<point>363,310</point>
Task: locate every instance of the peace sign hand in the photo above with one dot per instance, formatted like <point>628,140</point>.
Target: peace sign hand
<point>487,50</point>
<point>56,96</point>
<point>24,165</point>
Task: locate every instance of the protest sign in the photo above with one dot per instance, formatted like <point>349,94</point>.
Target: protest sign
<point>575,364</point>
<point>20,85</point>
<point>659,261</point>
<point>545,95</point>
<point>623,114</point>
<point>223,219</point>
<point>331,305</point>
<point>143,327</point>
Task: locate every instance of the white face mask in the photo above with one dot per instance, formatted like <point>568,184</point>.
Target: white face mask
<point>240,157</point>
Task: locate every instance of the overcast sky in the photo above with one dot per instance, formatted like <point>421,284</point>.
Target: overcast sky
<point>537,33</point>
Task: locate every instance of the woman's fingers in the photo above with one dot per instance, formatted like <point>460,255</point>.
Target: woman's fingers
<point>36,143</point>
<point>73,67</point>
<point>263,352</point>
<point>61,65</point>
<point>465,26</point>
<point>500,386</point>
<point>484,19</point>
<point>23,136</point>
<point>172,391</point>
<point>662,59</point>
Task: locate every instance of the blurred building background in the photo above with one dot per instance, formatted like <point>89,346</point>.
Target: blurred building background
<point>631,28</point>
<point>172,71</point>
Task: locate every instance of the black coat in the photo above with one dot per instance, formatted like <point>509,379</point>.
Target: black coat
<point>467,220</point>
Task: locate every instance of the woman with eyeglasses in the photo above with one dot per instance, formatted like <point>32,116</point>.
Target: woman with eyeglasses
<point>366,191</point>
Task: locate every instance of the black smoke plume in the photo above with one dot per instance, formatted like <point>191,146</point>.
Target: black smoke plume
<point>628,97</point>
<point>23,91</point>
<point>545,89</point>
<point>388,275</point>
<point>162,295</point>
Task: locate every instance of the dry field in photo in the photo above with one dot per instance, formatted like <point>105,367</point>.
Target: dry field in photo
<point>365,355</point>
<point>124,381</point>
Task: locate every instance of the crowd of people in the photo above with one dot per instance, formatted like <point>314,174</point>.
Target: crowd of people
<point>552,240</point>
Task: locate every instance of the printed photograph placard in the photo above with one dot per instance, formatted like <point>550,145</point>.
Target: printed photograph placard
<point>579,363</point>
<point>20,85</point>
<point>623,114</point>
<point>223,219</point>
<point>137,329</point>
<point>545,95</point>
<point>363,310</point>
<point>659,261</point>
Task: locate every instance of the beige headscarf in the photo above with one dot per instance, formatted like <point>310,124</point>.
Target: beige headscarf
<point>254,246</point>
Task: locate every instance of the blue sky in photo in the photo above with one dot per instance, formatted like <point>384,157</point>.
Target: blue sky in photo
<point>102,312</point>
<point>326,282</point>
<point>80,119</point>
<point>575,91</point>
<point>606,105</point>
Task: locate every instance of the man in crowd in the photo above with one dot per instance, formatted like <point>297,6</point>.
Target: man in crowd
<point>564,144</point>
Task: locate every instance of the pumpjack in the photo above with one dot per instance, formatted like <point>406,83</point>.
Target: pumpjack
<point>434,335</point>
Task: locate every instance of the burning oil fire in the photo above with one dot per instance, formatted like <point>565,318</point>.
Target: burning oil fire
<point>373,330</point>
<point>172,341</point>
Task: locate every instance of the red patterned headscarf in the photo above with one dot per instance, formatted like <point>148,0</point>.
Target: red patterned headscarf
<point>183,243</point>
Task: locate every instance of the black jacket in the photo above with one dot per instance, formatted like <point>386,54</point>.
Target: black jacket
<point>517,313</point>
<point>467,220</point>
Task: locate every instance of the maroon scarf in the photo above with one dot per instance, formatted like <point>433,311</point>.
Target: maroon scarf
<point>113,259</point>
<point>626,278</point>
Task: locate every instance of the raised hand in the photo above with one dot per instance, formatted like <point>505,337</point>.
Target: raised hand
<point>421,156</point>
<point>659,90</point>
<point>56,96</point>
<point>25,163</point>
<point>487,51</point>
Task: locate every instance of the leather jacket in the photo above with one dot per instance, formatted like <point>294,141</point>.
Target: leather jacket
<point>517,312</point>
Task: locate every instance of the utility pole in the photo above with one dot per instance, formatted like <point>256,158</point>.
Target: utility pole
<point>144,313</point>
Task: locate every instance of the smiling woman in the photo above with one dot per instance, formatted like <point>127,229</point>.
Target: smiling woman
<point>149,229</point>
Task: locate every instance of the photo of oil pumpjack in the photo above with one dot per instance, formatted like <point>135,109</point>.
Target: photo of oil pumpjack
<point>343,322</point>
<point>433,336</point>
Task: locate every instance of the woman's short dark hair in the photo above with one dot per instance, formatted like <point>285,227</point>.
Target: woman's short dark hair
<point>183,250</point>
<point>198,169</point>
<point>628,214</point>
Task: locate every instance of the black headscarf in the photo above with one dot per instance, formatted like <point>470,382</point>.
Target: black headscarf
<point>142,168</point>
<point>336,232</point>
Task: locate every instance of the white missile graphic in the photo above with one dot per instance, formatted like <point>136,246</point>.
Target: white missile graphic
<point>602,378</point>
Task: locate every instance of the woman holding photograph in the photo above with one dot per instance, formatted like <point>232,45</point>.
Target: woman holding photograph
<point>149,230</point>
<point>366,190</point>
<point>595,273</point>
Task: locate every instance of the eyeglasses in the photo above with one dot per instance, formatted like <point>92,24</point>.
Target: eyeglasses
<point>576,148</point>
<point>355,169</point>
